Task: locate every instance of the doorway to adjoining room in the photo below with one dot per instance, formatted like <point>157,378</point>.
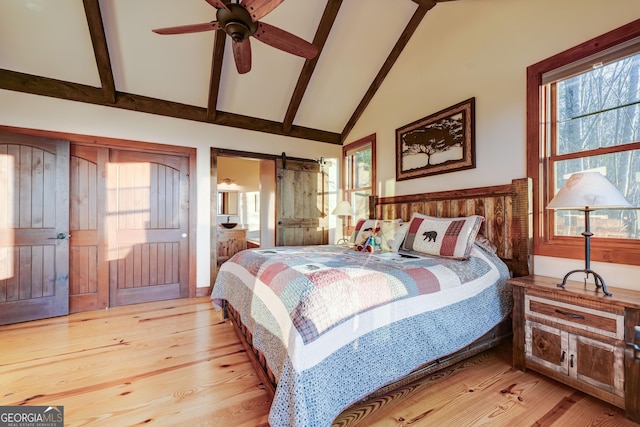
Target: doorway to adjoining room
<point>239,195</point>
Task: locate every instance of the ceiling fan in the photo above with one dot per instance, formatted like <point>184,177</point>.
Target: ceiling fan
<point>240,20</point>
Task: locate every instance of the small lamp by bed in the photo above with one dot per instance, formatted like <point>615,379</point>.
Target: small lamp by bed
<point>588,191</point>
<point>343,209</point>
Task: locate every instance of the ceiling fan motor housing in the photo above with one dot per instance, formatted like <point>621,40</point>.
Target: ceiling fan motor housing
<point>236,22</point>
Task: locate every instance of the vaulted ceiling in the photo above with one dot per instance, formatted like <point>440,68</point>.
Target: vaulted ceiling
<point>104,52</point>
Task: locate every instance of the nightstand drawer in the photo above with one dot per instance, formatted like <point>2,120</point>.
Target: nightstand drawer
<point>583,318</point>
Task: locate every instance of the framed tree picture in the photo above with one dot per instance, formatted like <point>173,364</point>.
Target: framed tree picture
<point>440,143</point>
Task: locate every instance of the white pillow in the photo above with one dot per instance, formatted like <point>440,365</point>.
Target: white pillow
<point>392,235</point>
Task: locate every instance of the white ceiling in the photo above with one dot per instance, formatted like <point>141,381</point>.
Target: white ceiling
<point>50,38</point>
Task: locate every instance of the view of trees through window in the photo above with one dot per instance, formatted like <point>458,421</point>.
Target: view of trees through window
<point>594,122</point>
<point>359,176</point>
<point>360,173</point>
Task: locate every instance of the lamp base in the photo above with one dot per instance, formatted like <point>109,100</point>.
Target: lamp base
<point>598,280</point>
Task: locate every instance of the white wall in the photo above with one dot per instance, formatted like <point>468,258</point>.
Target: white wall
<point>481,49</point>
<point>30,111</point>
<point>267,203</point>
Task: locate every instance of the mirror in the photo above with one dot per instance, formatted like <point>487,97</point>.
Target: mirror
<point>227,203</point>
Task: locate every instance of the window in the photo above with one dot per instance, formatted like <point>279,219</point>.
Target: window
<point>359,174</point>
<point>584,115</point>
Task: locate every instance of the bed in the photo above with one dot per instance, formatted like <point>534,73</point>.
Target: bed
<point>328,326</point>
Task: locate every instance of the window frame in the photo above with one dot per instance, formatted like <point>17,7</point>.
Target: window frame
<point>346,179</point>
<point>619,251</point>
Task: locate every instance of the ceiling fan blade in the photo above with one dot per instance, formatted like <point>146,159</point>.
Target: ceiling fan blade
<point>185,29</point>
<point>218,4</point>
<point>259,8</point>
<point>283,40</point>
<point>242,55</point>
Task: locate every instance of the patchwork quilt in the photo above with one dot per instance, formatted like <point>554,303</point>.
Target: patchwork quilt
<point>335,324</point>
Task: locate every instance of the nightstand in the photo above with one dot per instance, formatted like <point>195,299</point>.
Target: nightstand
<point>580,337</point>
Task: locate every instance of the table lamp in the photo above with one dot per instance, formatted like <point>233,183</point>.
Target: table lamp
<point>588,191</point>
<point>343,209</point>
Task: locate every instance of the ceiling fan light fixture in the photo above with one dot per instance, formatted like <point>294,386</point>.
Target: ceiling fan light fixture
<point>236,22</point>
<point>237,30</point>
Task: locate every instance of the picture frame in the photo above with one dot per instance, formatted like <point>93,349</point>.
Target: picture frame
<point>440,143</point>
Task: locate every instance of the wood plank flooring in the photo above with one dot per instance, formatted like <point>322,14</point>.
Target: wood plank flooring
<point>177,363</point>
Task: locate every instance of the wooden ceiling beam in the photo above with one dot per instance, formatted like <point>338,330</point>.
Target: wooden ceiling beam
<point>216,74</point>
<point>44,86</point>
<point>108,96</point>
<point>425,3</point>
<point>273,127</point>
<point>424,7</point>
<point>324,28</point>
<point>100,49</point>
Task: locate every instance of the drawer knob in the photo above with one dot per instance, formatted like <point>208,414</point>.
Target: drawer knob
<point>636,351</point>
<point>634,345</point>
<point>571,315</point>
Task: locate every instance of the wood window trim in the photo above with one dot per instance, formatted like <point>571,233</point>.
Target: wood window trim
<point>367,140</point>
<point>604,250</point>
<point>370,139</point>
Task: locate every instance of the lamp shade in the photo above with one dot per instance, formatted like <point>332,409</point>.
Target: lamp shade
<point>588,190</point>
<point>343,209</point>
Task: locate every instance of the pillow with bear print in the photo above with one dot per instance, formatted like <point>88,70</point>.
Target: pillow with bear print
<point>445,237</point>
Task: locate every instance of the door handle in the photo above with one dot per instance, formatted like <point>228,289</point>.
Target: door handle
<point>61,236</point>
<point>636,351</point>
<point>635,347</point>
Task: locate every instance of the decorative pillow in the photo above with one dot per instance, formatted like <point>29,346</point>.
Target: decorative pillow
<point>366,227</point>
<point>392,235</point>
<point>446,237</point>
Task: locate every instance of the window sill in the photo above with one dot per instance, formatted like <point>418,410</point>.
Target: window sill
<point>615,253</point>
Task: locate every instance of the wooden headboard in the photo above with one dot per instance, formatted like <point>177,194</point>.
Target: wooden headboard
<point>506,209</point>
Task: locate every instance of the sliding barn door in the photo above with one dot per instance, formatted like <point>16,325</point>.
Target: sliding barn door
<point>147,221</point>
<point>301,203</point>
<point>34,228</point>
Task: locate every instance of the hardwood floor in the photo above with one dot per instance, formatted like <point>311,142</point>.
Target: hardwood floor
<point>177,363</point>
